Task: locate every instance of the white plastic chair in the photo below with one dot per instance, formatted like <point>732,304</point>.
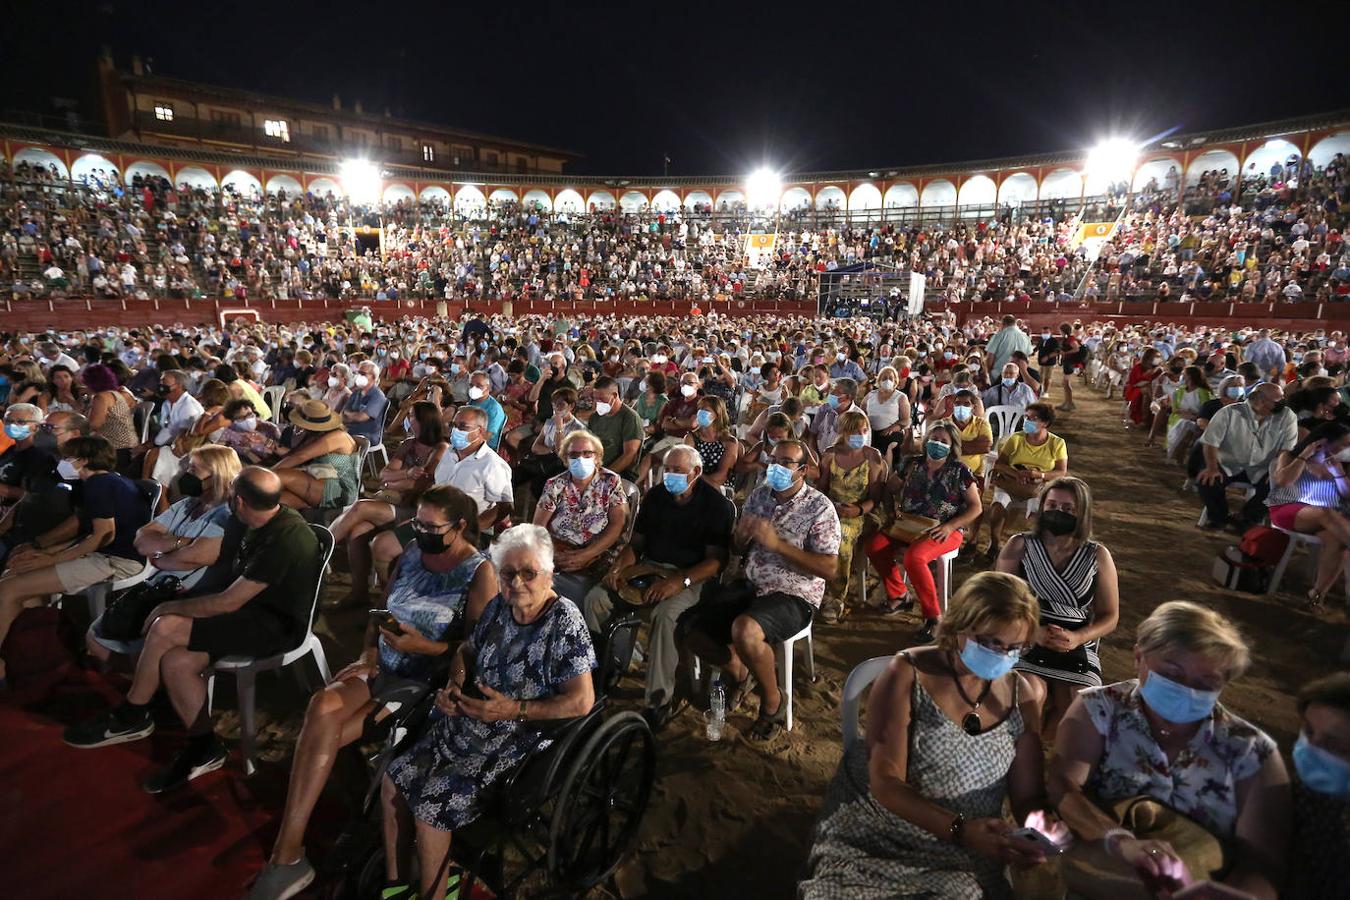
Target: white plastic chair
<point>862,675</point>
<point>942,578</point>
<point>368,457</point>
<point>1004,420</point>
<point>145,411</point>
<point>1296,538</point>
<point>245,669</point>
<point>273,396</point>
<point>783,658</point>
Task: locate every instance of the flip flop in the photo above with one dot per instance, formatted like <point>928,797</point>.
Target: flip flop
<point>739,691</point>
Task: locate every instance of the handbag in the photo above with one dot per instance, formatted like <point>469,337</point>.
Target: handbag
<point>125,616</point>
<point>909,527</point>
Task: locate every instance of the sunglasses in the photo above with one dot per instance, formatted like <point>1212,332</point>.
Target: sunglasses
<point>526,575</point>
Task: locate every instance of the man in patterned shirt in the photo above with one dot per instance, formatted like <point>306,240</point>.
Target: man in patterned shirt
<point>790,536</point>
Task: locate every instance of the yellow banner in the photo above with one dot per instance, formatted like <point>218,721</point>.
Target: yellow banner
<point>1100,231</point>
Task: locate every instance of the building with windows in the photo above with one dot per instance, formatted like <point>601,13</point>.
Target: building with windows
<point>153,109</point>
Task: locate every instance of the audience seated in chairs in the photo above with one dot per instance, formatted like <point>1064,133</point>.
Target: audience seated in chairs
<point>1163,740</point>
<point>939,487</point>
<point>178,412</point>
<point>100,540</point>
<point>916,806</point>
<point>260,608</point>
<point>528,659</point>
<point>618,428</point>
<point>163,464</point>
<point>1074,578</point>
<point>789,532</point>
<point>678,546</point>
<point>363,413</point>
<point>852,475</point>
<point>1309,489</point>
<point>408,475</point>
<point>1025,462</point>
<point>436,595</point>
<point>28,479</point>
<point>1240,444</point>
<point>584,510</point>
<point>322,470</point>
<point>248,434</point>
<point>543,461</point>
<point>476,469</point>
<point>183,541</point>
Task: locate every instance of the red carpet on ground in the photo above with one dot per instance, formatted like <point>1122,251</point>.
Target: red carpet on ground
<point>76,822</point>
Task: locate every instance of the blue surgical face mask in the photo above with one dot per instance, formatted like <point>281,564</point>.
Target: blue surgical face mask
<point>1176,702</point>
<point>987,664</point>
<point>675,482</point>
<point>459,439</point>
<point>937,449</point>
<point>704,418</point>
<point>778,477</point>
<point>832,401</point>
<point>1009,382</point>
<point>1234,393</point>
<point>1029,426</point>
<point>454,368</point>
<point>581,467</point>
<point>856,441</point>
<point>962,413</point>
<point>1321,770</point>
<point>18,432</point>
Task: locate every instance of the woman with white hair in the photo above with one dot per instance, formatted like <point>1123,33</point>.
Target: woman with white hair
<point>531,657</point>
<point>1131,756</point>
<point>337,389</point>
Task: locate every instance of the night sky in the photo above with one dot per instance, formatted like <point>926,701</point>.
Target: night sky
<point>723,87</point>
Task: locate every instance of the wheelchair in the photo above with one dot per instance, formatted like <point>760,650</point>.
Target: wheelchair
<point>566,816</point>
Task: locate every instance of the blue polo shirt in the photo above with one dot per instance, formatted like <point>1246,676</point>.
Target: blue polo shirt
<point>496,418</point>
<point>372,402</point>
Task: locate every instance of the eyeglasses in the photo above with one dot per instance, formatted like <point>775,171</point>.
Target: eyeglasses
<point>430,527</point>
<point>581,454</point>
<point>526,575</point>
<point>993,643</point>
<point>784,462</point>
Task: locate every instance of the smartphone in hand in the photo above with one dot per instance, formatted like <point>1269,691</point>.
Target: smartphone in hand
<point>1036,836</point>
<point>385,619</point>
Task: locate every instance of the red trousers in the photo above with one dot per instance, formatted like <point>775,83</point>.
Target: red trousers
<point>881,550</point>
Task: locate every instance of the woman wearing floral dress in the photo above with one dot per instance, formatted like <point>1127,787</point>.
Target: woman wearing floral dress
<point>584,510</point>
<point>528,659</point>
<point>1165,737</point>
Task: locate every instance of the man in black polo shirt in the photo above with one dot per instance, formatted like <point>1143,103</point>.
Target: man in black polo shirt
<point>263,611</point>
<point>682,531</point>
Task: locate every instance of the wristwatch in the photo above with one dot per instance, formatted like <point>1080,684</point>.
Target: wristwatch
<point>520,715</point>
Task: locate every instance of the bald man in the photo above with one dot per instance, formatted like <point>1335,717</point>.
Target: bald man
<point>262,610</point>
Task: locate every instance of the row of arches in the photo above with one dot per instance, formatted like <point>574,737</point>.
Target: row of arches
<point>977,190</point>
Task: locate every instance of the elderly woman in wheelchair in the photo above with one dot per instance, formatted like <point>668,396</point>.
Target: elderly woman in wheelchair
<point>441,582</point>
<point>529,658</point>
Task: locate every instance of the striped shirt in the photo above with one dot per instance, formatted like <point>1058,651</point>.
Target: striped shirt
<point>1308,489</point>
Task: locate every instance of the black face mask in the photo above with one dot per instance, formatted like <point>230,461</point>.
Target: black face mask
<point>430,543</point>
<point>1058,522</point>
<point>190,485</point>
<point>163,390</point>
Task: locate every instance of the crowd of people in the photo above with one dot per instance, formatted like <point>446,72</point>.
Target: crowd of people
<point>1277,240</point>
<point>731,481</point>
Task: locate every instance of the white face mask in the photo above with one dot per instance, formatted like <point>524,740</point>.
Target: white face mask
<point>67,470</point>
<point>688,390</point>
<point>887,384</point>
<point>362,381</point>
<point>602,409</point>
<point>476,393</point>
<point>332,381</point>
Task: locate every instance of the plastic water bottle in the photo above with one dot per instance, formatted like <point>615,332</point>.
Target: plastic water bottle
<point>717,711</point>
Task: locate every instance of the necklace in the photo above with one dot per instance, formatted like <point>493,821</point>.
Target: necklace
<point>971,724</point>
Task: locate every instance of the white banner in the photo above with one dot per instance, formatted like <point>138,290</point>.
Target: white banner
<point>916,280</point>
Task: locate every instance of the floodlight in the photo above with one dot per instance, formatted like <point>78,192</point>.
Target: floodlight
<point>1111,160</point>
<point>361,178</point>
<point>763,188</point>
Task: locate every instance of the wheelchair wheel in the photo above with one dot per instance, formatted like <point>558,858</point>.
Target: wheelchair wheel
<point>603,798</point>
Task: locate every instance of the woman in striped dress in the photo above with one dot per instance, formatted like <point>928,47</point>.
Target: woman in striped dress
<point>1074,578</point>
<point>1308,491</point>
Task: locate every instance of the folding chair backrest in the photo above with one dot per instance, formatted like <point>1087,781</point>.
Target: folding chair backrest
<point>862,675</point>
<point>272,396</point>
<point>634,497</point>
<point>362,448</point>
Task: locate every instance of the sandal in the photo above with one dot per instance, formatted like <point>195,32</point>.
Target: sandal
<point>1316,602</point>
<point>766,727</point>
<point>739,691</point>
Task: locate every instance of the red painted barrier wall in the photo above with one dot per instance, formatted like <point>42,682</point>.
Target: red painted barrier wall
<point>1293,316</point>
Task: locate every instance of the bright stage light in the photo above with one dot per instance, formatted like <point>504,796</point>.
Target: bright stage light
<point>1112,160</point>
<point>361,178</point>
<point>763,188</point>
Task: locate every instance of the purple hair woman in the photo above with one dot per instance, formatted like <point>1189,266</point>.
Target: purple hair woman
<point>110,409</point>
